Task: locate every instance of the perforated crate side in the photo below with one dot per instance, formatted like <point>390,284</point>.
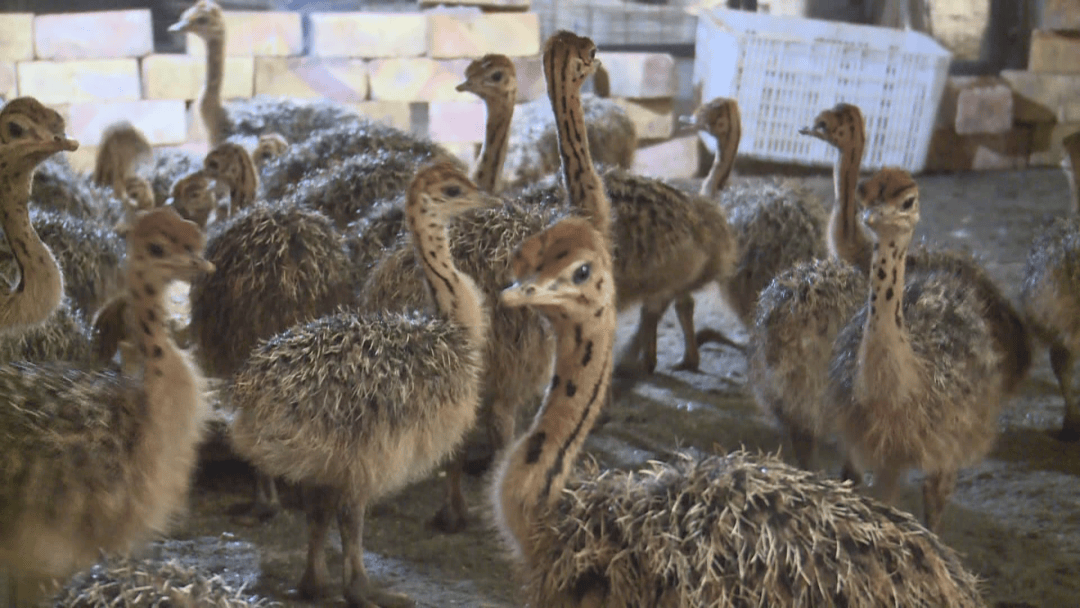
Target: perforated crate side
<point>783,71</point>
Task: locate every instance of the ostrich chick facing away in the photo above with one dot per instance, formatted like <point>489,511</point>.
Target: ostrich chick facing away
<point>737,530</point>
<point>355,407</point>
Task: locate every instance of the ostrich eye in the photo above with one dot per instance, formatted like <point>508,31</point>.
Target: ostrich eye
<point>909,202</point>
<point>496,77</point>
<point>821,126</point>
<point>15,130</point>
<point>592,53</point>
<point>452,191</point>
<point>156,250</point>
<point>581,274</point>
<point>201,19</point>
<point>212,164</point>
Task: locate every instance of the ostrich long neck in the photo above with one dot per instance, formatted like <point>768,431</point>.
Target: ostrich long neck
<point>455,292</point>
<point>1071,164</point>
<point>887,369</point>
<point>537,467</point>
<point>721,166</point>
<point>496,136</point>
<point>847,241</point>
<point>210,106</point>
<point>582,181</point>
<point>41,284</point>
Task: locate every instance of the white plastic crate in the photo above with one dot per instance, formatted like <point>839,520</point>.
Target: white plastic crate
<point>784,71</point>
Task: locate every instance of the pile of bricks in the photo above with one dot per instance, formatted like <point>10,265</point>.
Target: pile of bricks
<point>1019,118</point>
<point>99,67</point>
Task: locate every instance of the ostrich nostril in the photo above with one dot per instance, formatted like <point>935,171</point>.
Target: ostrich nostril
<point>530,291</point>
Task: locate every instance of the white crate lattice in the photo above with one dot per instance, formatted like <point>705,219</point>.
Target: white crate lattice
<point>783,71</point>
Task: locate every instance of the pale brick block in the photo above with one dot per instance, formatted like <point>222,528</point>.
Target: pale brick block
<point>397,114</point>
<point>491,5</point>
<point>979,105</point>
<point>470,34</point>
<point>1060,15</point>
<point>652,118</point>
<point>1054,52</point>
<point>273,33</point>
<point>16,36</point>
<point>457,121</point>
<point>950,152</point>
<point>162,121</point>
<point>1046,148</point>
<point>466,152</point>
<point>80,80</point>
<point>183,77</point>
<point>94,35</point>
<point>530,76</point>
<point>637,75</point>
<point>368,34</point>
<point>417,79</point>
<point>344,80</point>
<point>673,159</point>
<point>1041,97</point>
<point>8,81</point>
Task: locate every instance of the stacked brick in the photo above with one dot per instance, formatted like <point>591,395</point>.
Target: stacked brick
<point>1018,119</point>
<point>100,67</point>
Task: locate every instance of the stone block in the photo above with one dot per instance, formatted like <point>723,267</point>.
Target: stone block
<point>162,121</point>
<point>465,151</point>
<point>960,26</point>
<point>975,105</point>
<point>457,121</point>
<point>16,36</point>
<point>1056,52</point>
<point>396,114</point>
<point>368,34</point>
<point>8,80</point>
<point>183,77</point>
<point>417,79</point>
<point>80,80</point>
<point>530,76</point>
<point>950,151</point>
<point>673,159</point>
<point>652,118</point>
<point>454,34</point>
<point>265,33</point>
<point>1060,15</point>
<point>337,79</point>
<point>637,75</point>
<point>1042,97</point>
<point>1046,148</point>
<point>94,35</point>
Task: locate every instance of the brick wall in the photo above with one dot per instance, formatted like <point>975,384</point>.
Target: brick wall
<point>388,65</point>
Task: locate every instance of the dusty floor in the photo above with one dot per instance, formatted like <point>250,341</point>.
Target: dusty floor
<point>1015,517</point>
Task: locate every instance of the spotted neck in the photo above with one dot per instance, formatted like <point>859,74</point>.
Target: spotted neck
<point>536,468</point>
<point>210,105</point>
<point>847,239</point>
<point>722,164</point>
<point>456,294</point>
<point>887,367</point>
<point>500,111</point>
<point>582,181</point>
<point>41,284</point>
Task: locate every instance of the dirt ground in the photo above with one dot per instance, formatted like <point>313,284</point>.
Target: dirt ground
<point>1015,517</point>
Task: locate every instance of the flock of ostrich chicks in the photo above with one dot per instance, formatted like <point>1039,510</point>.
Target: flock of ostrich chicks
<point>367,303</point>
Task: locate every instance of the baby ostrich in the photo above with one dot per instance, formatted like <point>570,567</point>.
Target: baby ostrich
<point>493,79</point>
<point>277,266</point>
<point>777,226</point>
<point>193,198</point>
<point>122,148</point>
<point>294,120</point>
<point>95,460</point>
<point>518,354</point>
<point>29,133</point>
<point>1051,292</point>
<point>723,531</point>
<point>269,147</point>
<point>358,406</point>
<point>231,164</point>
<point>915,380</point>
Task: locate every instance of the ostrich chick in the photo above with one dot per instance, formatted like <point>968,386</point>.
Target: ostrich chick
<point>193,198</point>
<point>737,530</point>
<point>915,380</point>
<point>358,406</point>
<point>96,460</point>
